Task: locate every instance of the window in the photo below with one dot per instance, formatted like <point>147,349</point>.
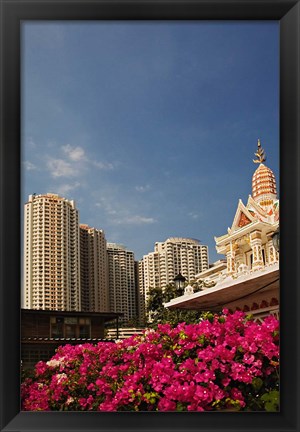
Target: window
<point>250,259</point>
<point>84,331</point>
<point>30,356</point>
<point>57,330</point>
<point>70,330</point>
<point>70,327</point>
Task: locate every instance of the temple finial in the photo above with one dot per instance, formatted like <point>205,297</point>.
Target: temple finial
<point>260,154</point>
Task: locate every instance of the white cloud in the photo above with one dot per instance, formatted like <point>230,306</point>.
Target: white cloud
<point>64,189</point>
<point>77,154</point>
<point>106,206</point>
<point>103,165</point>
<point>119,214</point>
<point>136,220</point>
<point>60,168</point>
<point>31,143</point>
<point>142,188</point>
<point>74,153</point>
<point>29,166</point>
<point>193,215</point>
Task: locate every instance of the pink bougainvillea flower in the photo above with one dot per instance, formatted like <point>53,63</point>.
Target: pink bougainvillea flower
<point>222,363</point>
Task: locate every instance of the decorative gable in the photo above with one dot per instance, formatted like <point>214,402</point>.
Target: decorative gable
<point>265,214</point>
<point>244,220</point>
<point>242,217</point>
<point>256,208</point>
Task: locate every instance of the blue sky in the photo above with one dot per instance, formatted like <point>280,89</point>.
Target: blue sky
<point>150,126</point>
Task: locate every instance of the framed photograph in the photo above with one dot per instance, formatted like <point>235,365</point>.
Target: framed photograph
<point>141,42</point>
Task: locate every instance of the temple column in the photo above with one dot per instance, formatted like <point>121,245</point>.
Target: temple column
<point>272,255</point>
<point>230,256</point>
<point>256,246</point>
<point>239,258</point>
<point>240,262</point>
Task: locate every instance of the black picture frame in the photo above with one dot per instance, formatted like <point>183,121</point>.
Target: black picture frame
<point>287,12</point>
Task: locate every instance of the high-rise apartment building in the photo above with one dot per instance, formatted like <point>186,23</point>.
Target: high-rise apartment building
<point>51,254</point>
<point>122,287</point>
<point>171,257</point>
<point>93,270</point>
<point>140,293</point>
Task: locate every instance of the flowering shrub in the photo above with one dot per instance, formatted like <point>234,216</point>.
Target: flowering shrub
<point>225,362</point>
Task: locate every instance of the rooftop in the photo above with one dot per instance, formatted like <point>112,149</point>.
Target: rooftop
<point>226,290</point>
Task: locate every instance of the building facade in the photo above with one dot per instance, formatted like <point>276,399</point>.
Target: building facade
<point>93,270</point>
<point>171,257</point>
<point>51,254</point>
<point>43,331</point>
<point>140,290</point>
<point>121,281</point>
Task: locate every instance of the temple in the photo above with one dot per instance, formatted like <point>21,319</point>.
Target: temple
<point>249,278</point>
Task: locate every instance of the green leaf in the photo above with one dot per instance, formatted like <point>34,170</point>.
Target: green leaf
<point>180,407</point>
<point>257,383</point>
<point>270,407</point>
<point>210,317</point>
<point>271,400</point>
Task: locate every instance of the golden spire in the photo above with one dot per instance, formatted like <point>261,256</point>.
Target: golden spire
<point>260,154</point>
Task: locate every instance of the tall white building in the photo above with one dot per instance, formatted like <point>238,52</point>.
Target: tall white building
<point>140,292</point>
<point>122,287</point>
<point>171,257</point>
<point>93,270</point>
<point>51,254</point>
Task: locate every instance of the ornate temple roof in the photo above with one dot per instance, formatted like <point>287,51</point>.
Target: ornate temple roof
<point>250,280</point>
<point>262,206</point>
<point>263,181</point>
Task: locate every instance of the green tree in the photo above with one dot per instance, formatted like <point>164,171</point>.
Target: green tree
<point>131,323</point>
<point>158,314</point>
<point>155,305</point>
